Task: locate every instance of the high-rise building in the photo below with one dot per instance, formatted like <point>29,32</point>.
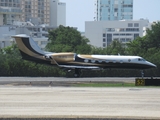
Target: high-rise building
<point>50,12</point>
<point>39,9</point>
<point>113,10</point>
<point>10,10</point>
<point>57,13</point>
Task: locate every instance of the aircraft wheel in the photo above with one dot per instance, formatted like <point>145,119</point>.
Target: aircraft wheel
<point>77,72</point>
<point>76,75</point>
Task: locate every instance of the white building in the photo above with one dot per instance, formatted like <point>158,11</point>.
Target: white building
<point>113,10</point>
<point>57,13</point>
<point>102,33</point>
<point>51,13</point>
<point>39,33</point>
<point>5,36</point>
<point>149,27</point>
<point>9,11</point>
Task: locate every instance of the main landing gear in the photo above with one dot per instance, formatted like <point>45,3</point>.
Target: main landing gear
<point>77,72</point>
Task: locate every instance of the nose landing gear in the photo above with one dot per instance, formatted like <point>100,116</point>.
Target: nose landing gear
<point>142,73</point>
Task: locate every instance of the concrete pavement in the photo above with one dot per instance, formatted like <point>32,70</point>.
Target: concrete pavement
<point>70,102</point>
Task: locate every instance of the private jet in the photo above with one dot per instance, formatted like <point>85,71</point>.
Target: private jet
<point>71,61</point>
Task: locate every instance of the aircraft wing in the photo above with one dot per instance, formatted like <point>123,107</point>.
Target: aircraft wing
<point>71,66</point>
<point>75,66</point>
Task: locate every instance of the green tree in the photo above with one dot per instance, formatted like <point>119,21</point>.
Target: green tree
<point>136,47</point>
<point>141,45</point>
<point>98,50</point>
<point>67,39</point>
<point>152,37</point>
<point>116,47</point>
<point>148,47</point>
<point>11,64</point>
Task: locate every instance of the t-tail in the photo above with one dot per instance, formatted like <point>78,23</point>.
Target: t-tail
<point>29,49</point>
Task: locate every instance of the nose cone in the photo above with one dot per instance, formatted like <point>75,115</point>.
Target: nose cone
<point>151,65</point>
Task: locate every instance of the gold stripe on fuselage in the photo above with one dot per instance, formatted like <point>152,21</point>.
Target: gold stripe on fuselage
<point>86,56</point>
<point>63,57</point>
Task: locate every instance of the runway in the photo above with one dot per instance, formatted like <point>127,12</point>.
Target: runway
<point>27,101</point>
<point>58,81</point>
<point>10,79</point>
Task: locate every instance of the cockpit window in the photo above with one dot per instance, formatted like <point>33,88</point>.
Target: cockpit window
<point>141,59</point>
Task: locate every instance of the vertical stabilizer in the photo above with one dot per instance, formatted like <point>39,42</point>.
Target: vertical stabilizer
<point>27,47</point>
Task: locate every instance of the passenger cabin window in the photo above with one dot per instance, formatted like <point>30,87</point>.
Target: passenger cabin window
<point>86,60</point>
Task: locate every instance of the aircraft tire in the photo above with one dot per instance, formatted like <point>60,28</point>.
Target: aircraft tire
<point>76,75</point>
<point>77,72</point>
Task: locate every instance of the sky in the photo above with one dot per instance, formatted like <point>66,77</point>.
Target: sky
<point>79,11</point>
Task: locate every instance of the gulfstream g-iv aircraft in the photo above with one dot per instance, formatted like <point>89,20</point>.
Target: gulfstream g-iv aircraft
<point>30,51</point>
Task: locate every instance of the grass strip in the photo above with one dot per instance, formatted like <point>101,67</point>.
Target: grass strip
<point>105,85</point>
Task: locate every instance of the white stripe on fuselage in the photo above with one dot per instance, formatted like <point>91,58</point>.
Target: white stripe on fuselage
<point>116,58</point>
